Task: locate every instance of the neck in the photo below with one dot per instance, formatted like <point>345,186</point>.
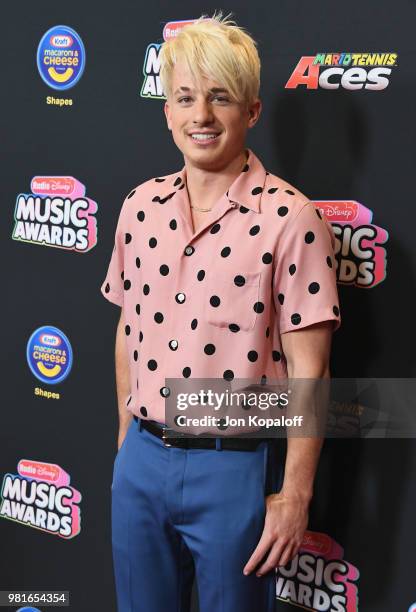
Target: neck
<point>205,187</point>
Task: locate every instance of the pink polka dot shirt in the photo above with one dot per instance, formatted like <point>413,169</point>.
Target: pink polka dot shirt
<point>214,303</point>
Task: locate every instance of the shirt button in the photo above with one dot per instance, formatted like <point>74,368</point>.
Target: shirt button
<point>180,297</point>
<point>173,344</point>
<point>165,391</point>
<point>189,250</point>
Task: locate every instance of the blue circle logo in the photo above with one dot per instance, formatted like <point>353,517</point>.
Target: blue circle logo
<point>61,57</point>
<point>49,354</point>
<point>28,610</point>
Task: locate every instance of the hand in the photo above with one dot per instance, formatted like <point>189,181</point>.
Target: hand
<point>284,527</point>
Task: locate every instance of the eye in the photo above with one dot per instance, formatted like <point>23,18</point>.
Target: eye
<point>184,99</point>
<point>222,99</point>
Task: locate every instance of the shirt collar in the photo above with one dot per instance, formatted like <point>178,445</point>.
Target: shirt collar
<point>246,190</point>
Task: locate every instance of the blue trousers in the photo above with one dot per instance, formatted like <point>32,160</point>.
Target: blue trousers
<point>178,514</point>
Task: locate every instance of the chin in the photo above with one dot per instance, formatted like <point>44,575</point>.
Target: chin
<point>211,162</point>
<point>207,157</point>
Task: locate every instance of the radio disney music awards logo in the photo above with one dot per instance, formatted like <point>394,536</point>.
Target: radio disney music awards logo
<point>40,496</point>
<point>56,213</point>
<point>360,258</point>
<point>49,354</point>
<point>351,71</point>
<point>318,577</point>
<point>61,57</point>
<point>152,87</point>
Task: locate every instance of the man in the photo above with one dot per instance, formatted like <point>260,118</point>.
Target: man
<point>224,271</point>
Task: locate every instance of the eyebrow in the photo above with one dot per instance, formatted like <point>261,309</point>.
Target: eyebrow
<point>211,90</point>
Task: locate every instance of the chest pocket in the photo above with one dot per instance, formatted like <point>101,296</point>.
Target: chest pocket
<point>233,301</point>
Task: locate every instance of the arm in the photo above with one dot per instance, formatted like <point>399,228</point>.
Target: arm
<point>122,379</point>
<point>307,312</point>
<point>307,354</point>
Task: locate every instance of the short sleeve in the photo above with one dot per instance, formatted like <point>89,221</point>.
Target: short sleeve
<point>113,286</point>
<point>304,282</point>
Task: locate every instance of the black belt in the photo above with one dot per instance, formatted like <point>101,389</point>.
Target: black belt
<point>242,444</point>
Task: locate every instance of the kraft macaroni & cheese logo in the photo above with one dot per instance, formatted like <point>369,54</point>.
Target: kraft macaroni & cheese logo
<point>49,354</point>
<point>61,57</point>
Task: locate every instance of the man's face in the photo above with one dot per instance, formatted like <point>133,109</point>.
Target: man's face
<point>207,126</point>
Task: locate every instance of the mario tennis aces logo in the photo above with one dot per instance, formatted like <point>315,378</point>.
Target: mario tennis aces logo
<point>349,71</point>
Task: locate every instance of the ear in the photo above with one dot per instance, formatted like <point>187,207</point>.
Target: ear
<point>166,108</point>
<point>254,111</point>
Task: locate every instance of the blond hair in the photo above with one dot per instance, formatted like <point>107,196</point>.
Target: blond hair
<point>217,48</point>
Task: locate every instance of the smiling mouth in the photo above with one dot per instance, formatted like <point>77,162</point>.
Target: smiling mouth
<point>204,138</point>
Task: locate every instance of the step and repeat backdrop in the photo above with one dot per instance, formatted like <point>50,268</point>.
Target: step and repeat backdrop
<point>82,124</point>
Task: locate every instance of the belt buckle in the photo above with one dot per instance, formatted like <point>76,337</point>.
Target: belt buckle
<point>164,438</point>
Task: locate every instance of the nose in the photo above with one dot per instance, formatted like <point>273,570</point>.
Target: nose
<point>202,112</point>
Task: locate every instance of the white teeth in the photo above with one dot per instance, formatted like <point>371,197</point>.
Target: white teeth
<point>203,136</point>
